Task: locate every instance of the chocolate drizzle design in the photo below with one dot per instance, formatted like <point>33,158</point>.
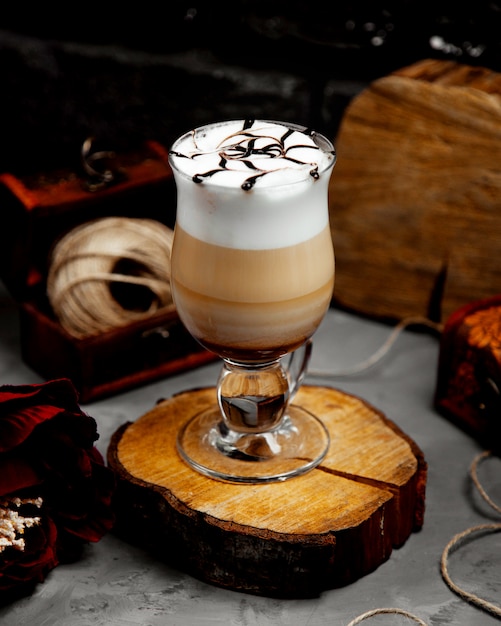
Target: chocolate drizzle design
<point>244,148</point>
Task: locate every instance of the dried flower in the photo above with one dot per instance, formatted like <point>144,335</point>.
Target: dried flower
<point>13,523</point>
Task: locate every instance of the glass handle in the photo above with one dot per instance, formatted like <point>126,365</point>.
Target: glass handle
<point>297,366</point>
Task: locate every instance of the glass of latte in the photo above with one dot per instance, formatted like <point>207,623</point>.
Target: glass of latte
<point>252,278</point>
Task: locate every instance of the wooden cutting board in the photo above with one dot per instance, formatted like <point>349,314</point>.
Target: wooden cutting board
<point>291,539</point>
<point>414,196</point>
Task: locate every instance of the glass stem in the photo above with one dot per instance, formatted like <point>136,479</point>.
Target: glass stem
<point>253,398</point>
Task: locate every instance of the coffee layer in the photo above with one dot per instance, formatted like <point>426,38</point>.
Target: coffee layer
<point>244,300</point>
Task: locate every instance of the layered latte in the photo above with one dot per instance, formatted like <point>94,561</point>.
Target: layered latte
<point>252,261</point>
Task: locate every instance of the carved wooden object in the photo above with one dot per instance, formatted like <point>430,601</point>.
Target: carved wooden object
<point>291,539</point>
<point>415,192</point>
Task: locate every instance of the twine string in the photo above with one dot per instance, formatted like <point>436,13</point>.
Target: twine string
<point>382,351</point>
<point>386,611</point>
<point>89,262</point>
<point>474,475</point>
<point>156,286</point>
<point>459,539</point>
<point>456,542</point>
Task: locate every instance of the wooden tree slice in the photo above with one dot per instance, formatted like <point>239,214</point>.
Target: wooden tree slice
<point>414,197</point>
<point>291,539</point>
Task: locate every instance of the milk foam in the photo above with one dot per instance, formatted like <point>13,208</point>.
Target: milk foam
<point>258,185</point>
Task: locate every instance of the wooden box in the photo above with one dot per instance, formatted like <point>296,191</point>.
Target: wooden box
<point>468,387</point>
<point>38,211</point>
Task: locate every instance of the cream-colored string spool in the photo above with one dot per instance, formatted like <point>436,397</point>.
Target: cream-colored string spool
<point>93,261</point>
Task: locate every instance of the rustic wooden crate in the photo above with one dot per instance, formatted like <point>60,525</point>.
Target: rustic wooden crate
<point>469,374</point>
<point>40,209</point>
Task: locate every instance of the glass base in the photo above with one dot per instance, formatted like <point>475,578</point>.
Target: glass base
<point>295,447</point>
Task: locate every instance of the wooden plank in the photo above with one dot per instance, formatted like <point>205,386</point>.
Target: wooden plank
<point>414,197</point>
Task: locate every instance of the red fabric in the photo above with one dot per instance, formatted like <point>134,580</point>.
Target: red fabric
<point>47,450</point>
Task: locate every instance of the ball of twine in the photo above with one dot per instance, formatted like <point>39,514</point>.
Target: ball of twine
<point>108,273</point>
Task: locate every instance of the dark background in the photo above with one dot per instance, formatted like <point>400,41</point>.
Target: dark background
<point>141,72</point>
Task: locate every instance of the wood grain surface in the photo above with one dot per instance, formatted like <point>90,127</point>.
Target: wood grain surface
<point>290,539</point>
<point>414,197</point>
